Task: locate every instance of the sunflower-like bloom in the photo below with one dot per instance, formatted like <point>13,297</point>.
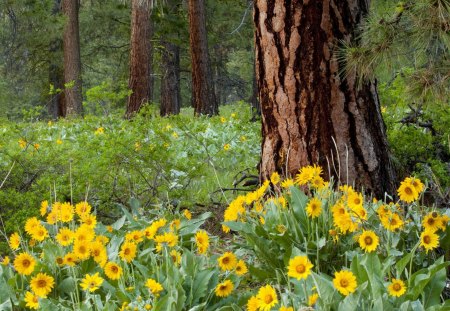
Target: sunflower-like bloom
<point>313,299</point>
<point>24,264</point>
<point>82,208</point>
<point>91,282</point>
<point>154,287</point>
<point>14,241</point>
<point>407,192</point>
<point>314,208</point>
<point>65,236</point>
<point>267,297</point>
<point>70,259</point>
<point>275,178</point>
<point>345,282</point>
<point>42,284</point>
<point>127,251</point>
<point>429,240</point>
<point>44,208</point>
<point>283,308</point>
<point>224,289</point>
<point>241,268</point>
<point>82,250</point>
<point>417,184</point>
<point>67,212</point>
<point>84,234</point>
<point>113,271</point>
<point>39,233</point>
<point>202,241</point>
<point>187,214</point>
<point>89,220</point>
<point>30,224</point>
<point>32,300</point>
<point>227,261</point>
<point>135,236</point>
<point>392,222</point>
<point>355,200</point>
<point>287,183</point>
<point>299,267</point>
<point>152,230</point>
<point>253,304</point>
<point>368,241</point>
<point>98,252</point>
<point>397,288</point>
<point>431,222</point>
<point>168,238</point>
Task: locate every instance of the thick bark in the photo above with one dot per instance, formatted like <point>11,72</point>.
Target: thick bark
<point>254,101</point>
<point>139,80</point>
<point>170,82</point>
<point>202,83</point>
<point>72,59</point>
<point>310,113</point>
<point>56,105</point>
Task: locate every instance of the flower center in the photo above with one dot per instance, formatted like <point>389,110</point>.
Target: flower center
<point>226,260</point>
<point>127,251</point>
<point>368,240</point>
<point>397,287</point>
<point>114,269</point>
<point>427,239</point>
<point>357,201</point>
<point>434,214</point>
<point>408,191</point>
<point>343,282</point>
<point>26,263</point>
<point>430,221</point>
<point>268,299</point>
<point>42,283</point>
<point>300,268</point>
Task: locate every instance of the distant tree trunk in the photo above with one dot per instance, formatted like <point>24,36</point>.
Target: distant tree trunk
<point>310,113</point>
<point>170,81</point>
<point>72,60</point>
<point>139,80</point>
<point>56,107</point>
<point>202,80</point>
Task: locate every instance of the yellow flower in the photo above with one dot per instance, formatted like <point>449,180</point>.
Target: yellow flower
<point>176,257</point>
<point>70,259</point>
<point>429,240</point>
<point>24,264</point>
<point>91,282</point>
<point>30,224</point>
<point>5,261</point>
<point>82,250</point>
<point>187,214</point>
<point>431,222</point>
<point>355,200</point>
<point>66,212</point>
<point>89,220</point>
<point>397,288</point>
<point>82,208</point>
<point>32,300</point>
<point>253,304</point>
<point>283,308</point>
<point>65,236</point>
<point>84,234</point>
<point>113,270</point>
<point>241,268</point>
<point>418,185</point>
<point>154,287</point>
<point>392,222</point>
<point>223,120</point>
<point>443,222</point>
<point>44,207</point>
<point>202,241</point>
<point>135,236</point>
<point>151,231</point>
<point>227,261</point>
<point>226,147</point>
<point>148,306</point>
<point>407,192</point>
<point>267,298</point>
<point>287,183</point>
<point>168,238</point>
<point>224,289</point>
<point>317,182</point>
<point>127,251</point>
<point>368,241</point>
<point>22,143</point>
<point>39,233</point>
<point>42,284</point>
<point>36,146</point>
<point>345,282</point>
<point>14,241</point>
<point>314,208</point>
<point>59,261</point>
<point>313,299</point>
<point>275,178</point>
<point>98,252</point>
<point>99,131</point>
<point>59,141</point>
<point>243,138</point>
<point>299,267</point>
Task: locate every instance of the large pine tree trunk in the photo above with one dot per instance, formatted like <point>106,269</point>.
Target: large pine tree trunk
<point>202,80</point>
<point>72,60</point>
<point>310,112</point>
<point>139,80</point>
<point>170,81</point>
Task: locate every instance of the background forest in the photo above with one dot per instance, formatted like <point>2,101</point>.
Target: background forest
<point>156,156</point>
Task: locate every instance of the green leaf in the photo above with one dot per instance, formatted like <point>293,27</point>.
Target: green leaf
<point>200,285</point>
<point>194,224</point>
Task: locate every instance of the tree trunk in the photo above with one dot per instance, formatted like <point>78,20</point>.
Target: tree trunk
<point>56,108</point>
<point>310,113</point>
<point>72,60</point>
<point>139,80</point>
<point>202,80</point>
<point>256,108</point>
<point>170,82</point>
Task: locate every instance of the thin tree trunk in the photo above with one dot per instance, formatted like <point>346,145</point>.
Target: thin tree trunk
<point>203,89</point>
<point>72,60</point>
<point>56,107</point>
<point>139,80</point>
<point>310,113</point>
<point>170,82</point>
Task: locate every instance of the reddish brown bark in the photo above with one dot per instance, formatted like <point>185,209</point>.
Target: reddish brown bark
<point>170,81</point>
<point>72,59</point>
<point>310,113</point>
<point>202,80</point>
<point>139,80</point>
